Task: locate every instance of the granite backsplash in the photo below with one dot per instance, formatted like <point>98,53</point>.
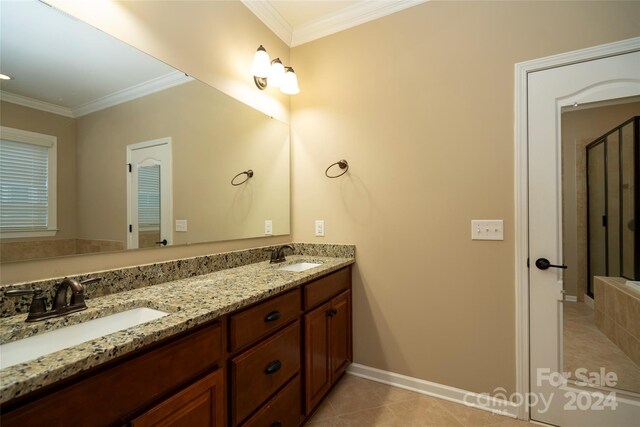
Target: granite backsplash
<point>129,278</point>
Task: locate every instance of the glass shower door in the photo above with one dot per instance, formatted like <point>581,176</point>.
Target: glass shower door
<point>628,189</point>
<point>597,209</point>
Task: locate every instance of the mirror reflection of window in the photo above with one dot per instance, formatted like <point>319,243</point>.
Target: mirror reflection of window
<point>148,206</point>
<point>27,183</point>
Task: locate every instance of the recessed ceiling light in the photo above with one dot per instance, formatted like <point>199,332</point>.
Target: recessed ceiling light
<point>5,77</point>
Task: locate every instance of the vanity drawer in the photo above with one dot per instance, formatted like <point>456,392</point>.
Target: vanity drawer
<point>257,373</point>
<point>283,409</point>
<point>326,287</point>
<point>251,324</point>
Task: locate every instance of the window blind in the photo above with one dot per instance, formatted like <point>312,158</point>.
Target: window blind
<point>149,197</point>
<point>24,186</point>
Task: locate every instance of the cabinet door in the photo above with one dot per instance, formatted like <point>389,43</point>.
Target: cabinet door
<point>199,405</point>
<point>317,362</point>
<point>340,334</point>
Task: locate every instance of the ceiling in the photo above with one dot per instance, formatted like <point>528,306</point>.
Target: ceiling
<point>301,21</point>
<point>62,65</point>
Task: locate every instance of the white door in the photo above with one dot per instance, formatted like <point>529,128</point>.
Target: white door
<point>149,196</point>
<point>554,400</point>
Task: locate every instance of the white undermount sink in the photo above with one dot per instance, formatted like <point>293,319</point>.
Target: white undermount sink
<point>33,347</point>
<point>300,266</point>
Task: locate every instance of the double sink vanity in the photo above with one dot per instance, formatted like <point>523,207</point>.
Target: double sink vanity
<point>227,339</point>
<point>250,343</point>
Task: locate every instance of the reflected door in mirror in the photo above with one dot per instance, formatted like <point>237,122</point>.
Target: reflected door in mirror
<point>149,195</point>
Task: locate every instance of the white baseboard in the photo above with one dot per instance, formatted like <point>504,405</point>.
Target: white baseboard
<point>452,394</point>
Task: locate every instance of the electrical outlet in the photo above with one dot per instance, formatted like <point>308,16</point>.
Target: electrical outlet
<point>181,225</point>
<point>320,227</point>
<point>268,227</point>
<point>487,229</point>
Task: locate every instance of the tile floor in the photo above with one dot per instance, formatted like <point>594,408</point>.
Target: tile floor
<point>359,402</point>
<point>585,346</point>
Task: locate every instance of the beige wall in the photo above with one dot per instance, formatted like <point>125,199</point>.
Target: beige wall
<point>213,137</point>
<point>580,128</point>
<point>421,105</point>
<point>64,128</point>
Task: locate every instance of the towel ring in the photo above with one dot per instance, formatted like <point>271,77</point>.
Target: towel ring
<point>249,174</point>
<point>342,164</point>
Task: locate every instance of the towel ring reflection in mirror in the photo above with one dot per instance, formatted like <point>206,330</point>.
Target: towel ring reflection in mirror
<point>248,173</point>
<point>342,164</point>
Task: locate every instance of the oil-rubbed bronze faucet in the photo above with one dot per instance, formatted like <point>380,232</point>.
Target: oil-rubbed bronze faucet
<point>38,308</point>
<point>277,254</point>
<point>76,303</point>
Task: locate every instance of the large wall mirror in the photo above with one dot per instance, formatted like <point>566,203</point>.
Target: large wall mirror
<point>105,148</point>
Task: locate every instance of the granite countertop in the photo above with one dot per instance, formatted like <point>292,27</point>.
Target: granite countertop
<point>190,302</point>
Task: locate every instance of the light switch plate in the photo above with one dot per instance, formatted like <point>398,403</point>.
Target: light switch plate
<point>181,225</point>
<point>319,227</point>
<point>268,227</point>
<point>487,229</point>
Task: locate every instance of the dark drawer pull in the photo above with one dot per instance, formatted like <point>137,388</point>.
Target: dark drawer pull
<point>272,317</point>
<point>273,367</point>
<point>276,424</point>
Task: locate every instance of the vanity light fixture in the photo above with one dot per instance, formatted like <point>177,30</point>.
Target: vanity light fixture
<point>5,77</point>
<point>275,72</point>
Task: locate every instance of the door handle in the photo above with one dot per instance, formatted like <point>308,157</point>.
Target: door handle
<point>162,242</point>
<point>543,264</point>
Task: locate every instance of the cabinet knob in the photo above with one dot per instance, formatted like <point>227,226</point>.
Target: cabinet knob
<point>276,424</point>
<point>273,367</point>
<point>272,317</point>
<point>332,312</point>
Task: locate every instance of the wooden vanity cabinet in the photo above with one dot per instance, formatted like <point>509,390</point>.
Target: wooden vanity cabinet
<point>119,391</point>
<point>327,338</point>
<point>265,365</point>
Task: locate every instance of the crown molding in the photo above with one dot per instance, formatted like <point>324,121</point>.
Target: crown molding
<point>271,18</point>
<point>155,85</point>
<point>349,17</point>
<point>25,101</point>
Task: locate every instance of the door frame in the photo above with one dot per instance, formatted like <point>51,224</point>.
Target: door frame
<point>521,183</point>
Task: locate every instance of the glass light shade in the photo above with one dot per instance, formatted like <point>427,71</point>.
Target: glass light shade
<point>261,63</point>
<point>290,83</point>
<point>276,75</point>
